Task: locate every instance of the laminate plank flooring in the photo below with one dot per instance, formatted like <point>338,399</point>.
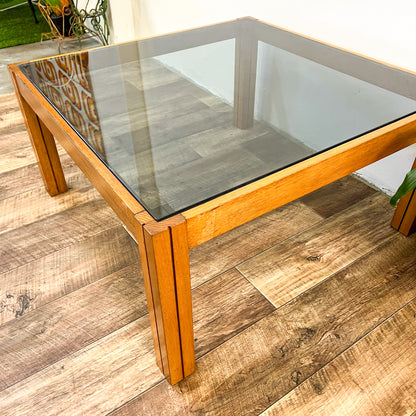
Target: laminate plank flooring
<point>70,323</point>
<point>375,376</point>
<point>74,332</point>
<point>27,287</point>
<point>27,178</point>
<point>303,260</point>
<point>256,368</point>
<point>47,235</point>
<point>32,205</point>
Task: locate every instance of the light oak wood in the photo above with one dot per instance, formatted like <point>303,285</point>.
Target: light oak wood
<point>232,381</point>
<point>164,246</point>
<point>302,261</point>
<point>142,218</point>
<point>44,147</point>
<point>404,219</point>
<point>182,275</point>
<point>168,271</point>
<point>162,280</point>
<point>244,204</point>
<point>209,313</point>
<point>384,362</point>
<point>257,367</point>
<point>54,158</point>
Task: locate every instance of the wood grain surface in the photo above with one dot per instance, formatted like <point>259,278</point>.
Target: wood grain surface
<point>55,232</point>
<point>256,368</point>
<point>59,328</point>
<point>223,307</point>
<point>27,177</point>
<point>73,338</point>
<point>237,207</point>
<point>228,250</point>
<point>383,363</point>
<point>302,261</point>
<point>25,288</point>
<point>91,381</point>
<point>29,206</point>
<point>337,196</point>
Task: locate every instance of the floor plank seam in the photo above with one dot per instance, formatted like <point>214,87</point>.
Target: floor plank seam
<point>100,231</point>
<point>332,274</point>
<point>323,220</point>
<point>254,255</point>
<point>77,352</point>
<point>138,395</point>
<point>82,190</point>
<point>342,352</point>
<point>58,250</point>
<point>235,266</point>
<point>68,293</point>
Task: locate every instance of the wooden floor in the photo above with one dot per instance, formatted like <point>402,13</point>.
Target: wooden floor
<point>309,310</point>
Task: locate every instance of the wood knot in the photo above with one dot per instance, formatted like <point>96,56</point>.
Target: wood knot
<point>296,377</point>
<point>318,388</point>
<point>23,303</point>
<point>314,258</point>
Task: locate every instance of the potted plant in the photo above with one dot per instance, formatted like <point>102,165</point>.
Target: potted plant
<point>408,185</point>
<point>59,15</point>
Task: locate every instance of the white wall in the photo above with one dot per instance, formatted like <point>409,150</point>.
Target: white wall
<point>382,29</point>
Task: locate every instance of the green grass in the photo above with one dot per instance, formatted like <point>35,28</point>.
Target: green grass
<point>4,4</point>
<point>18,27</point>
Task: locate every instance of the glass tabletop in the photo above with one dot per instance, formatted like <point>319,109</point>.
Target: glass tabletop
<point>186,117</point>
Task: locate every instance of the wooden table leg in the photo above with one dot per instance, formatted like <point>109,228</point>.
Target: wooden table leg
<point>165,261</point>
<point>404,219</point>
<point>44,147</point>
<point>245,76</point>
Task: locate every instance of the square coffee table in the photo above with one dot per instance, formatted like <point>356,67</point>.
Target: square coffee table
<point>191,134</point>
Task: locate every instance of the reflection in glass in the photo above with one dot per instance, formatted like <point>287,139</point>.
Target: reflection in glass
<point>186,117</point>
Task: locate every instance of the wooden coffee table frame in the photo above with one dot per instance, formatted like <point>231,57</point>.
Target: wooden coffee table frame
<point>164,245</point>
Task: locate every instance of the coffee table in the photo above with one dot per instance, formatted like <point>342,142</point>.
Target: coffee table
<point>191,134</point>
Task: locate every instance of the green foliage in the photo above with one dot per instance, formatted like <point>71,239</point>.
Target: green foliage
<point>18,27</point>
<point>53,3</point>
<point>92,21</point>
<point>57,6</point>
<point>407,186</point>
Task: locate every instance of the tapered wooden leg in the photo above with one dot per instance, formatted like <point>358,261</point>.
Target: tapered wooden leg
<point>165,262</point>
<point>44,147</point>
<point>404,219</point>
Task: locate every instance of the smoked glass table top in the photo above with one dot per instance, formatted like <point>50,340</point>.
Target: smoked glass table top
<point>186,117</point>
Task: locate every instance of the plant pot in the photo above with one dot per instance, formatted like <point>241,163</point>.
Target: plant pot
<point>63,22</point>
